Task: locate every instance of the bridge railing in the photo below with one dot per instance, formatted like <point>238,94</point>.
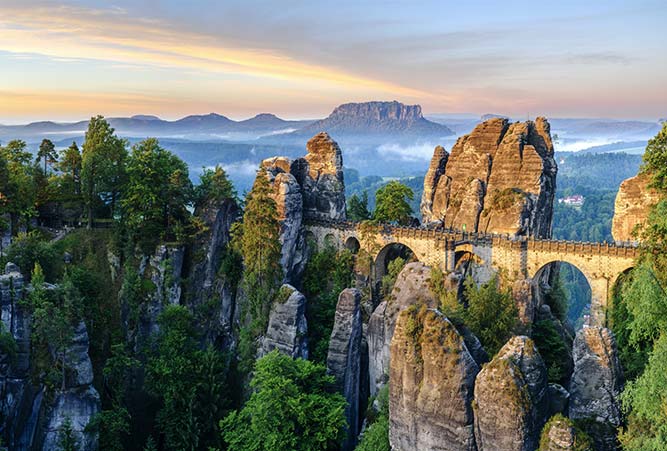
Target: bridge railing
<point>481,238</point>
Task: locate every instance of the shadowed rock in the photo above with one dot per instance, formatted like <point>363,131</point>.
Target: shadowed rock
<point>344,358</point>
<point>287,327</point>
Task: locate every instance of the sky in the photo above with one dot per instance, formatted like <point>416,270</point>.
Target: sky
<point>69,60</point>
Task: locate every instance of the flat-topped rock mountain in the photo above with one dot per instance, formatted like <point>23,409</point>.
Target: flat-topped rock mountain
<point>369,118</point>
<point>499,178</point>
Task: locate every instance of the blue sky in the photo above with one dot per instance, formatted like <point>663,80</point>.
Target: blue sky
<point>71,59</point>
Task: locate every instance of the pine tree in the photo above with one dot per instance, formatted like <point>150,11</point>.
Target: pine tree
<point>47,153</point>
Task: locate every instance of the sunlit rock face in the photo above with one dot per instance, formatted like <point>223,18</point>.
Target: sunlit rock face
<point>432,383</point>
<point>633,204</point>
<point>511,398</point>
<point>499,178</point>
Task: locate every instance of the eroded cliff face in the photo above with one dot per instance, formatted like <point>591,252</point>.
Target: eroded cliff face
<point>287,328</point>
<point>344,359</point>
<point>32,420</point>
<point>432,383</point>
<point>500,178</point>
<point>411,287</point>
<point>633,204</point>
<point>205,280</point>
<point>510,398</point>
<point>311,187</point>
<point>596,384</point>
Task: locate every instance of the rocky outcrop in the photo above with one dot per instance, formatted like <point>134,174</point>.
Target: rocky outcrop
<point>17,395</point>
<point>633,204</point>
<point>596,383</point>
<point>411,287</point>
<point>78,403</point>
<point>432,383</point>
<point>344,358</point>
<point>307,188</point>
<point>500,178</point>
<point>510,398</point>
<point>287,327</point>
<point>206,282</point>
<point>289,199</point>
<point>560,434</point>
<point>324,187</point>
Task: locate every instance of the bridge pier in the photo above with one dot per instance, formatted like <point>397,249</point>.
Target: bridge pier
<point>600,292</point>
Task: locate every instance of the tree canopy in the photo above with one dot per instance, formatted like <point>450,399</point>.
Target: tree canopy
<point>392,203</point>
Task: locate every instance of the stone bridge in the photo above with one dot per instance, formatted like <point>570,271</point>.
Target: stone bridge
<point>516,258</point>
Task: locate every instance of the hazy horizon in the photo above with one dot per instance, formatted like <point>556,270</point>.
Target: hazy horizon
<point>72,59</point>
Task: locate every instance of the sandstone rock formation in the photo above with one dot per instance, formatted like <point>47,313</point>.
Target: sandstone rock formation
<point>287,327</point>
<point>510,398</point>
<point>633,203</point>
<point>560,434</point>
<point>205,282</point>
<point>311,187</point>
<point>78,403</point>
<point>344,359</point>
<point>411,287</point>
<point>596,383</point>
<point>499,178</point>
<point>432,383</point>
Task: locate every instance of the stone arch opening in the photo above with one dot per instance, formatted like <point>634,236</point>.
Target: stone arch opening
<point>388,254</point>
<point>311,239</point>
<point>567,291</point>
<point>352,244</point>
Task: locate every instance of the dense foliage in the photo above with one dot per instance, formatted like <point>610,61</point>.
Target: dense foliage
<point>294,406</point>
<point>376,435</point>
<point>392,203</point>
<point>327,273</point>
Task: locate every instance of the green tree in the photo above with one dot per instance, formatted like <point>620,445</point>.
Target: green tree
<point>47,153</point>
<point>67,438</point>
<point>70,165</point>
<point>376,436</point>
<point>655,157</point>
<point>327,273</point>
<point>258,242</point>
<point>214,185</point>
<point>19,191</point>
<point>357,207</point>
<point>294,406</point>
<point>157,195</point>
<point>102,166</point>
<point>392,203</point>
<point>644,402</point>
<point>552,349</point>
<point>491,313</point>
<point>189,382</point>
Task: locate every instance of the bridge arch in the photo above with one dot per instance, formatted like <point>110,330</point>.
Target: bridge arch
<point>389,253</point>
<point>352,244</point>
<point>574,285</point>
<point>330,240</point>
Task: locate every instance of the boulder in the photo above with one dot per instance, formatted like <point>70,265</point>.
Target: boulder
<point>79,367</point>
<point>411,287</point>
<point>632,206</point>
<point>287,326</point>
<point>499,178</point>
<point>560,434</point>
<point>344,359</point>
<point>596,384</point>
<point>432,384</point>
<point>510,398</point>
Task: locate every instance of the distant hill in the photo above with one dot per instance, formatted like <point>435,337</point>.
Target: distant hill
<point>604,127</point>
<point>376,118</point>
<point>196,126</point>
<point>631,147</point>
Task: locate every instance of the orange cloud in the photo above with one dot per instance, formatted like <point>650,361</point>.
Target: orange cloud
<point>112,35</point>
